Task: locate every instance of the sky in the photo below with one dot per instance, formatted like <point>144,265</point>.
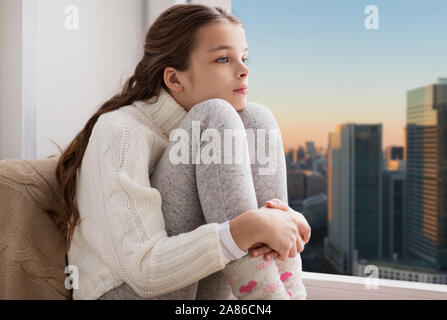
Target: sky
<point>316,66</point>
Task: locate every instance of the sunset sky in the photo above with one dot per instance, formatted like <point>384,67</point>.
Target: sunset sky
<point>315,65</point>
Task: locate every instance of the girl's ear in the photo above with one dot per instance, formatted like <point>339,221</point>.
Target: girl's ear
<point>172,79</point>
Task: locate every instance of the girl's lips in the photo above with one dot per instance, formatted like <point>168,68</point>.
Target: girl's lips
<point>242,91</point>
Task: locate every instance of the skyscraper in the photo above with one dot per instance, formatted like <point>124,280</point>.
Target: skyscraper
<point>392,222</point>
<point>300,154</point>
<point>354,195</point>
<point>394,158</point>
<point>425,218</point>
<point>394,153</point>
<point>290,159</point>
<point>310,149</point>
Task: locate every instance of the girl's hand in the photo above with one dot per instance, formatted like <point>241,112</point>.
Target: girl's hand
<point>303,227</point>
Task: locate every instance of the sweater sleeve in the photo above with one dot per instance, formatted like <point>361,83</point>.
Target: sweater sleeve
<point>230,249</point>
<point>134,236</point>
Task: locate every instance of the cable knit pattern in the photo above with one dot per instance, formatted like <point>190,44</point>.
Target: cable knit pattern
<point>121,236</point>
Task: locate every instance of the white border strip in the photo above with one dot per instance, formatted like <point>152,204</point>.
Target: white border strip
<point>29,77</point>
<point>400,284</point>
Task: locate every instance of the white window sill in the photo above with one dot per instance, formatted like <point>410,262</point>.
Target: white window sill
<point>321,286</point>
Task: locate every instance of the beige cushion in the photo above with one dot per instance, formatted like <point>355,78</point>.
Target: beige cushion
<point>32,256</point>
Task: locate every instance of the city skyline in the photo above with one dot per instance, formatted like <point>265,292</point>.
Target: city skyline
<point>321,67</point>
<point>385,209</point>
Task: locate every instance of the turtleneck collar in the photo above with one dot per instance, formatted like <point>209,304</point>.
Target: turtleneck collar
<point>166,113</point>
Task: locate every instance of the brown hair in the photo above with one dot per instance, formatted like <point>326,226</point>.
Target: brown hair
<point>168,43</point>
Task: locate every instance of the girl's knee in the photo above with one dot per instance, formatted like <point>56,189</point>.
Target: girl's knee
<point>215,105</point>
<point>257,115</point>
<point>218,109</point>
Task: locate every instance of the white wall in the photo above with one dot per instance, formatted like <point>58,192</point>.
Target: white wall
<point>10,78</point>
<point>156,7</point>
<point>52,78</point>
<point>80,69</point>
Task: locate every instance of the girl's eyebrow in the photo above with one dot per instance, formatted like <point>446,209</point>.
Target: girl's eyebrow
<point>223,47</point>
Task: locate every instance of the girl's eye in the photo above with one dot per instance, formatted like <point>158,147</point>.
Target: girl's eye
<point>220,59</point>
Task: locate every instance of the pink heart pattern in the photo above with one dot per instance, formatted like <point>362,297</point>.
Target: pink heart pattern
<point>263,264</point>
<point>248,288</point>
<point>286,275</point>
<point>271,287</point>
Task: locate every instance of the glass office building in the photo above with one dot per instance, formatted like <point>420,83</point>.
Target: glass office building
<point>354,195</point>
<point>425,206</point>
<point>393,201</point>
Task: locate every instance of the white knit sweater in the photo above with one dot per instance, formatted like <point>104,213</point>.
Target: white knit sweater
<point>121,236</point>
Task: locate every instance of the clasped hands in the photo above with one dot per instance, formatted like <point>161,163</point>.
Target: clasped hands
<point>303,229</point>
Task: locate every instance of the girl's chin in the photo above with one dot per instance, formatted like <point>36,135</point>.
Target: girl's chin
<point>239,106</point>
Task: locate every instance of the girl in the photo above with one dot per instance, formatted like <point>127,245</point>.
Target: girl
<point>194,243</point>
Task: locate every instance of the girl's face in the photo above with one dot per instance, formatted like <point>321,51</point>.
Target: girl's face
<point>218,67</point>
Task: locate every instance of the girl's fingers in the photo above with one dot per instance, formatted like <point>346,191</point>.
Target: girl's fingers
<point>266,251</point>
<point>260,251</point>
<point>256,246</point>
<point>277,204</point>
<point>305,236</point>
<point>293,251</point>
<point>271,255</point>
<point>299,245</point>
